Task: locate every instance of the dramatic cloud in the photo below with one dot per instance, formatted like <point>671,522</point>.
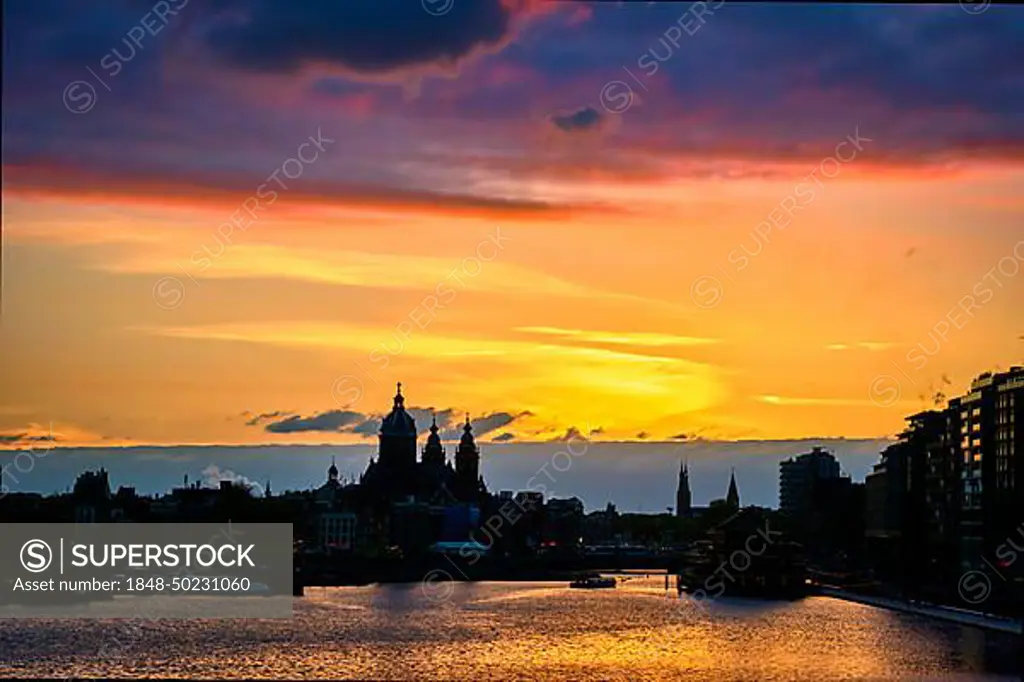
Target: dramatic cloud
<point>338,421</point>
<point>587,118</point>
<point>36,437</point>
<point>571,434</point>
<point>767,86</point>
<point>503,437</point>
<point>494,421</point>
<point>449,422</point>
<point>257,419</point>
<point>368,37</point>
<point>446,419</point>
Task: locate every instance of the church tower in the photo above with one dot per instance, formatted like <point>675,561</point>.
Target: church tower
<point>467,464</point>
<point>732,498</point>
<point>683,500</point>
<point>433,452</point>
<point>397,452</point>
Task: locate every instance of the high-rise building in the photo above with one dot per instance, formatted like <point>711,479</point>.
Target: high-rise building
<point>943,487</point>
<point>797,479</point>
<point>946,496</point>
<point>992,465</point>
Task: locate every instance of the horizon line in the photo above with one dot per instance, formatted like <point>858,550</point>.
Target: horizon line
<point>677,443</point>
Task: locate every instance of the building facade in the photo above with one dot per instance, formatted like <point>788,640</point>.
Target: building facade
<point>797,479</point>
<point>992,487</point>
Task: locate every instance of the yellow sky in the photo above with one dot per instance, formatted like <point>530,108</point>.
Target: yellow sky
<point>586,318</point>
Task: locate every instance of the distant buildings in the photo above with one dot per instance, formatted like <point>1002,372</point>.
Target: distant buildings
<point>823,509</point>
<point>684,499</point>
<point>92,497</point>
<point>799,477</point>
<point>731,502</point>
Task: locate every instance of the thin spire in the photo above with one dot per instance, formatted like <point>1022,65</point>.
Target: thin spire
<point>733,496</point>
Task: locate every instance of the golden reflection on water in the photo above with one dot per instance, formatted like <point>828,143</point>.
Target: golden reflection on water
<point>514,631</point>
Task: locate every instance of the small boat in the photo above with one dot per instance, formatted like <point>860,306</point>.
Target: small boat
<point>592,582</point>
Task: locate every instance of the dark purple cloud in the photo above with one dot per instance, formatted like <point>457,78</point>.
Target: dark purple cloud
<point>449,422</point>
<point>338,421</point>
<point>217,90</point>
<point>586,118</point>
<point>368,37</point>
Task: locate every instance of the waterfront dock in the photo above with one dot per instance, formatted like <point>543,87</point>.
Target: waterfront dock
<point>946,613</point>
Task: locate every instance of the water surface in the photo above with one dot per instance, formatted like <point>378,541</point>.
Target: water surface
<point>522,631</point>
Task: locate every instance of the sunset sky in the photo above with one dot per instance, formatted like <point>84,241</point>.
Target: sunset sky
<point>505,206</point>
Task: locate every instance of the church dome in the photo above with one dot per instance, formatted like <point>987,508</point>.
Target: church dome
<point>398,422</point>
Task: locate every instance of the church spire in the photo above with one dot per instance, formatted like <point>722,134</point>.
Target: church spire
<point>683,497</point>
<point>399,398</point>
<point>433,451</point>
<point>467,464</point>
<point>732,498</point>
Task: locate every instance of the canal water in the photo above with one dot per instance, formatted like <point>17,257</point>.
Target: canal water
<point>523,631</point>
